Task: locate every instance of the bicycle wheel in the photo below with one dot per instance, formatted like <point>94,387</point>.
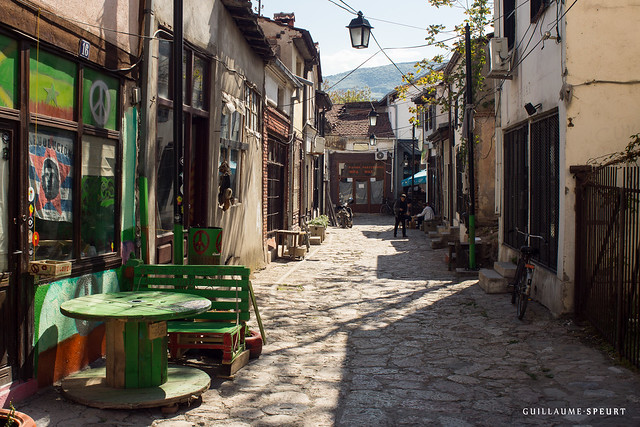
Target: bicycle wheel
<point>522,299</point>
<point>516,279</point>
<point>385,210</point>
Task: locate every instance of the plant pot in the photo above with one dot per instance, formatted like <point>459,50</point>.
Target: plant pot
<point>19,419</point>
<point>254,344</point>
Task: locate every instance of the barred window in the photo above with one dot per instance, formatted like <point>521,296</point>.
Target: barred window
<point>545,188</point>
<point>516,179</point>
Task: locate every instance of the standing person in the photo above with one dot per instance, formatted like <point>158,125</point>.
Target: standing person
<point>400,209</point>
<point>426,214</point>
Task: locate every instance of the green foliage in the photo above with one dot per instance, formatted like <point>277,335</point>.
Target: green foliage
<point>321,220</point>
<point>342,96</point>
<point>447,89</point>
<point>630,154</point>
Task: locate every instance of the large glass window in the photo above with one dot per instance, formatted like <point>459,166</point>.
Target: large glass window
<point>51,165</point>
<point>71,218</point>
<point>98,195</point>
<point>52,85</point>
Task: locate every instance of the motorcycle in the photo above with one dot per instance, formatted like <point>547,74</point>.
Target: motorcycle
<point>345,214</point>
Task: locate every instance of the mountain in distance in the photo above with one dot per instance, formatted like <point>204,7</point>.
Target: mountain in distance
<point>381,80</point>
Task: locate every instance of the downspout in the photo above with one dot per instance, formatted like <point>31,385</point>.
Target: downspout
<point>147,104</point>
<point>395,151</point>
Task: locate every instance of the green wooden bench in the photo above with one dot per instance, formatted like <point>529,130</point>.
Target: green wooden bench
<point>223,327</point>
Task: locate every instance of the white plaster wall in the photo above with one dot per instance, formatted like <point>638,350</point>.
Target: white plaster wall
<point>99,17</point>
<point>537,79</point>
<point>602,67</point>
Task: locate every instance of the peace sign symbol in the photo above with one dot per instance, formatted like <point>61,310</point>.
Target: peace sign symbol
<point>100,103</point>
<point>200,242</point>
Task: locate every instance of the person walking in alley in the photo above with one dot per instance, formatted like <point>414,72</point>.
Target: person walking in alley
<point>400,208</point>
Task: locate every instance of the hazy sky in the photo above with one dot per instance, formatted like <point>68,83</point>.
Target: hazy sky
<point>326,22</point>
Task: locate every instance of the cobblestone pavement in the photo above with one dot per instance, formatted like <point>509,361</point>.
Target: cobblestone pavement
<point>370,330</point>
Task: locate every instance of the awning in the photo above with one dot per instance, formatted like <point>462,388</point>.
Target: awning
<point>418,178</point>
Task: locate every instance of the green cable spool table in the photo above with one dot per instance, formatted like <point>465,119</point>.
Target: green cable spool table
<point>137,374</point>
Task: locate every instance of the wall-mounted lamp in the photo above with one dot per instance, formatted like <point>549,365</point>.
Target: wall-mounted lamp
<point>373,117</point>
<point>372,140</point>
<point>531,109</point>
<point>359,30</point>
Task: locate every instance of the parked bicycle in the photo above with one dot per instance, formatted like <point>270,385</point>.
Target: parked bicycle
<point>386,208</point>
<point>524,274</point>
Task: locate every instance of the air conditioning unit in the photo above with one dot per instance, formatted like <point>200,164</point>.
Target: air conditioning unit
<point>382,155</point>
<point>499,58</point>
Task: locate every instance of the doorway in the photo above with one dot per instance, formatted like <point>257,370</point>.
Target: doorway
<point>10,257</point>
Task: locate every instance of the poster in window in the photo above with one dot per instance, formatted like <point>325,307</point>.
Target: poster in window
<point>52,85</point>
<point>51,174</point>
<point>100,100</point>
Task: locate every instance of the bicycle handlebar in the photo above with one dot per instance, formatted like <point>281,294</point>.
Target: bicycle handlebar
<point>528,236</point>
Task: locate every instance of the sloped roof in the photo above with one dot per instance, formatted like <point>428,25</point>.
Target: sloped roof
<point>352,120</point>
<point>247,22</point>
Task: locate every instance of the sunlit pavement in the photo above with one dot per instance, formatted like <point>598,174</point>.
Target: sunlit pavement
<point>372,330</point>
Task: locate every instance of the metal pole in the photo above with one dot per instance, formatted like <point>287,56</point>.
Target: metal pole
<point>178,134</point>
<point>413,159</point>
<point>470,142</point>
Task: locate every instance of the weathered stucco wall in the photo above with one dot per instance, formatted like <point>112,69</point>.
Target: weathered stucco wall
<point>101,18</point>
<point>210,27</point>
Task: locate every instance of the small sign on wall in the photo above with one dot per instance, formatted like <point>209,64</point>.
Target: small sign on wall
<point>85,46</point>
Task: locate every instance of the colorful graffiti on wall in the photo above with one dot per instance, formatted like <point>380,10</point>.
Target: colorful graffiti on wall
<point>65,345</point>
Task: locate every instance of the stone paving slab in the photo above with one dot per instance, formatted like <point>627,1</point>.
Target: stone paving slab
<point>370,330</point>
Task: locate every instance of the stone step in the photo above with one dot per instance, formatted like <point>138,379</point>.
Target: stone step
<point>443,229</point>
<point>506,269</point>
<point>315,240</point>
<point>464,272</point>
<point>438,243</point>
<point>492,282</point>
<point>434,235</point>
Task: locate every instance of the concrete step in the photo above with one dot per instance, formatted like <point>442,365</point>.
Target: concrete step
<point>315,240</point>
<point>506,269</point>
<point>438,243</point>
<point>434,235</point>
<point>443,229</point>
<point>492,282</point>
<point>464,272</point>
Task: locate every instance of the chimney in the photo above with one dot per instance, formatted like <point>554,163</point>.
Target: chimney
<point>285,18</point>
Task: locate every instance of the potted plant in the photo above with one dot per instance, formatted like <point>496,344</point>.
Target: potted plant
<point>11,417</point>
<point>318,226</point>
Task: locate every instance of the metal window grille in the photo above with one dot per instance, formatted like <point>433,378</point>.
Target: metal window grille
<point>545,188</point>
<point>516,178</point>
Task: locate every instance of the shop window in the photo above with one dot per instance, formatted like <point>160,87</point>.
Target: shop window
<point>99,107</point>
<point>98,195</point>
<point>198,90</point>
<point>52,85</point>
<point>8,72</point>
<point>51,171</point>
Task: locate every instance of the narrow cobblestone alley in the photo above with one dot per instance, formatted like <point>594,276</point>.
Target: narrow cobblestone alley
<point>370,330</point>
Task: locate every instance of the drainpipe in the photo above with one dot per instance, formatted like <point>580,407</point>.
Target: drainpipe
<point>178,135</point>
<point>148,71</point>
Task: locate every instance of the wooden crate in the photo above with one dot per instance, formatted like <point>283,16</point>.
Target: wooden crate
<point>50,268</point>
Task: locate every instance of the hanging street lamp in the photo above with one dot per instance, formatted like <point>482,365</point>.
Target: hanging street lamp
<point>360,30</point>
<point>373,117</point>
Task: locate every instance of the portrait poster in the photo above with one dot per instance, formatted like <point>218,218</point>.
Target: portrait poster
<point>51,174</point>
